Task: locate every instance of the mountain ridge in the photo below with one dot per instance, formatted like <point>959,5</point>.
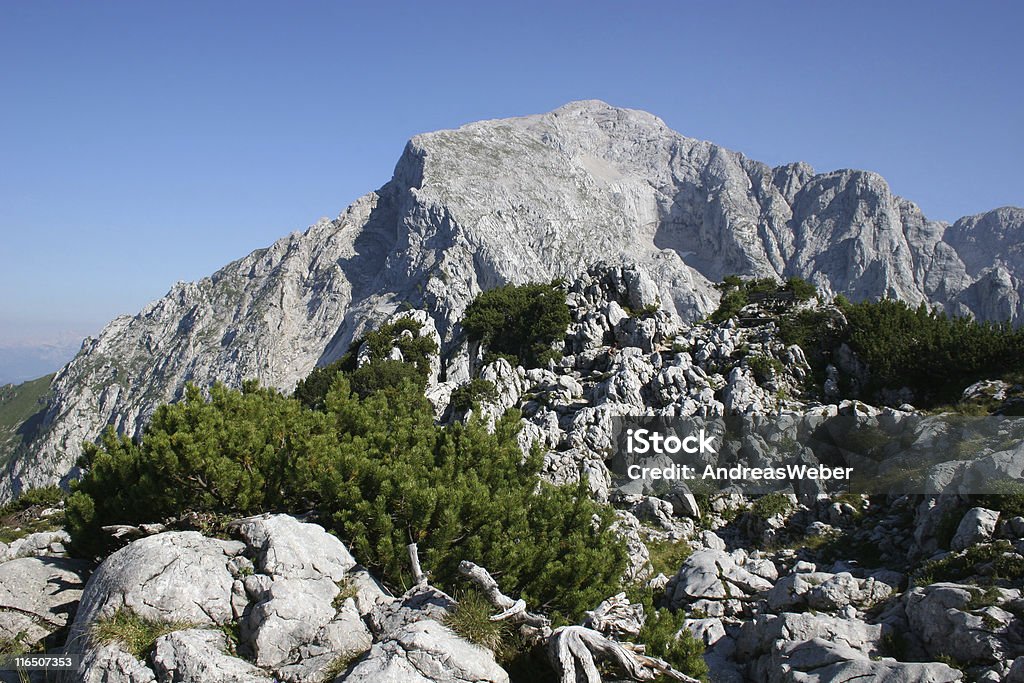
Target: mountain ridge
<point>515,200</point>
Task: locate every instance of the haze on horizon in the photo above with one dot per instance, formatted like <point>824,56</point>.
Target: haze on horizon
<point>146,144</point>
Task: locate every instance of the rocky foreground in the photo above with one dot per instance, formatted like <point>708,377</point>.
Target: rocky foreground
<point>788,587</point>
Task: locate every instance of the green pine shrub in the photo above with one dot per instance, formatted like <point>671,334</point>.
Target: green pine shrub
<point>470,395</point>
<point>379,472</point>
<point>665,637</point>
<point>737,293</point>
<point>771,504</point>
<point>380,372</point>
<point>521,321</point>
<point>933,354</point>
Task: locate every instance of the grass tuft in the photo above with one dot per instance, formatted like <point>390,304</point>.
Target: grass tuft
<point>135,634</point>
<point>471,619</point>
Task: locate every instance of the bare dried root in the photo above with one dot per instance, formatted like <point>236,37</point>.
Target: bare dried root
<point>414,561</point>
<point>573,650</point>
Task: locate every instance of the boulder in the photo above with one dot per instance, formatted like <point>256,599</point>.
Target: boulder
<point>758,635</point>
<point>294,616</point>
<point>292,549</point>
<point>977,526</point>
<point>426,651</point>
<point>39,544</point>
<point>946,619</point>
<point>38,595</point>
<point>819,660</point>
<point>201,656</point>
<point>290,614</point>
<point>714,575</point>
<point>825,591</point>
<point>177,576</point>
<point>111,664</point>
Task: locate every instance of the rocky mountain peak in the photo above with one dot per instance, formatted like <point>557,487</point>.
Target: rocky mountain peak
<point>511,201</point>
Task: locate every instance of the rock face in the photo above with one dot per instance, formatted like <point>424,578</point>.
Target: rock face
<point>517,200</point>
<point>280,590</point>
<point>37,594</point>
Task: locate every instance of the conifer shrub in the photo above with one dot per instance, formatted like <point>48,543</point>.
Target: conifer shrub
<point>522,321</point>
<point>403,334</point>
<point>801,289</point>
<point>232,453</point>
<point>935,355</point>
<point>666,637</point>
<point>764,367</point>
<point>472,393</point>
<point>380,474</point>
<point>737,293</point>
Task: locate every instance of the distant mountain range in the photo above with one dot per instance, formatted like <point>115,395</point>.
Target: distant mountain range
<point>515,200</point>
<point>22,362</point>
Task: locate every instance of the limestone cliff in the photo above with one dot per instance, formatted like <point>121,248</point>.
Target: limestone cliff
<point>516,200</point>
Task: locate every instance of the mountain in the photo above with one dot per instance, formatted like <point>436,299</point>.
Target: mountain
<point>516,200</point>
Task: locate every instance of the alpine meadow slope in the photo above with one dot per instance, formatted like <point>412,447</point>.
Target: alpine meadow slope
<point>513,201</point>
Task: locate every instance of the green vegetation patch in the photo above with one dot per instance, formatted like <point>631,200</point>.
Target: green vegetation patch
<point>379,472</point>
<point>24,515</point>
<point>665,637</point>
<point>470,395</point>
<point>737,293</point>
<point>22,407</point>
<point>667,556</point>
<point>771,504</point>
<point>935,355</point>
<point>471,619</point>
<point>520,321</point>
<point>381,372</point>
<point>1007,497</point>
<point>135,634</point>
<point>984,563</point>
<point>765,368</point>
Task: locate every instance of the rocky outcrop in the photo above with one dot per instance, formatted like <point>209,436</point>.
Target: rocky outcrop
<point>965,623</point>
<point>201,656</point>
<point>426,651</point>
<point>303,612</point>
<point>515,200</point>
<point>37,596</point>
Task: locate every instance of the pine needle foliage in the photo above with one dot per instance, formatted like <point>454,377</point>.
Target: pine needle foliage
<point>380,474</point>
<point>520,321</point>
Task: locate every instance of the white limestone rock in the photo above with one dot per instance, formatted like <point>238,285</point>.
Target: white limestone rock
<point>292,549</point>
<point>715,575</point>
<point>38,595</point>
<point>976,526</point>
<point>170,577</point>
<point>941,616</point>
<point>427,652</point>
<point>819,660</point>
<point>201,656</point>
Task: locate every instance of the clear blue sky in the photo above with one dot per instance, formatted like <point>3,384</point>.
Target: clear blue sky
<point>144,143</point>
